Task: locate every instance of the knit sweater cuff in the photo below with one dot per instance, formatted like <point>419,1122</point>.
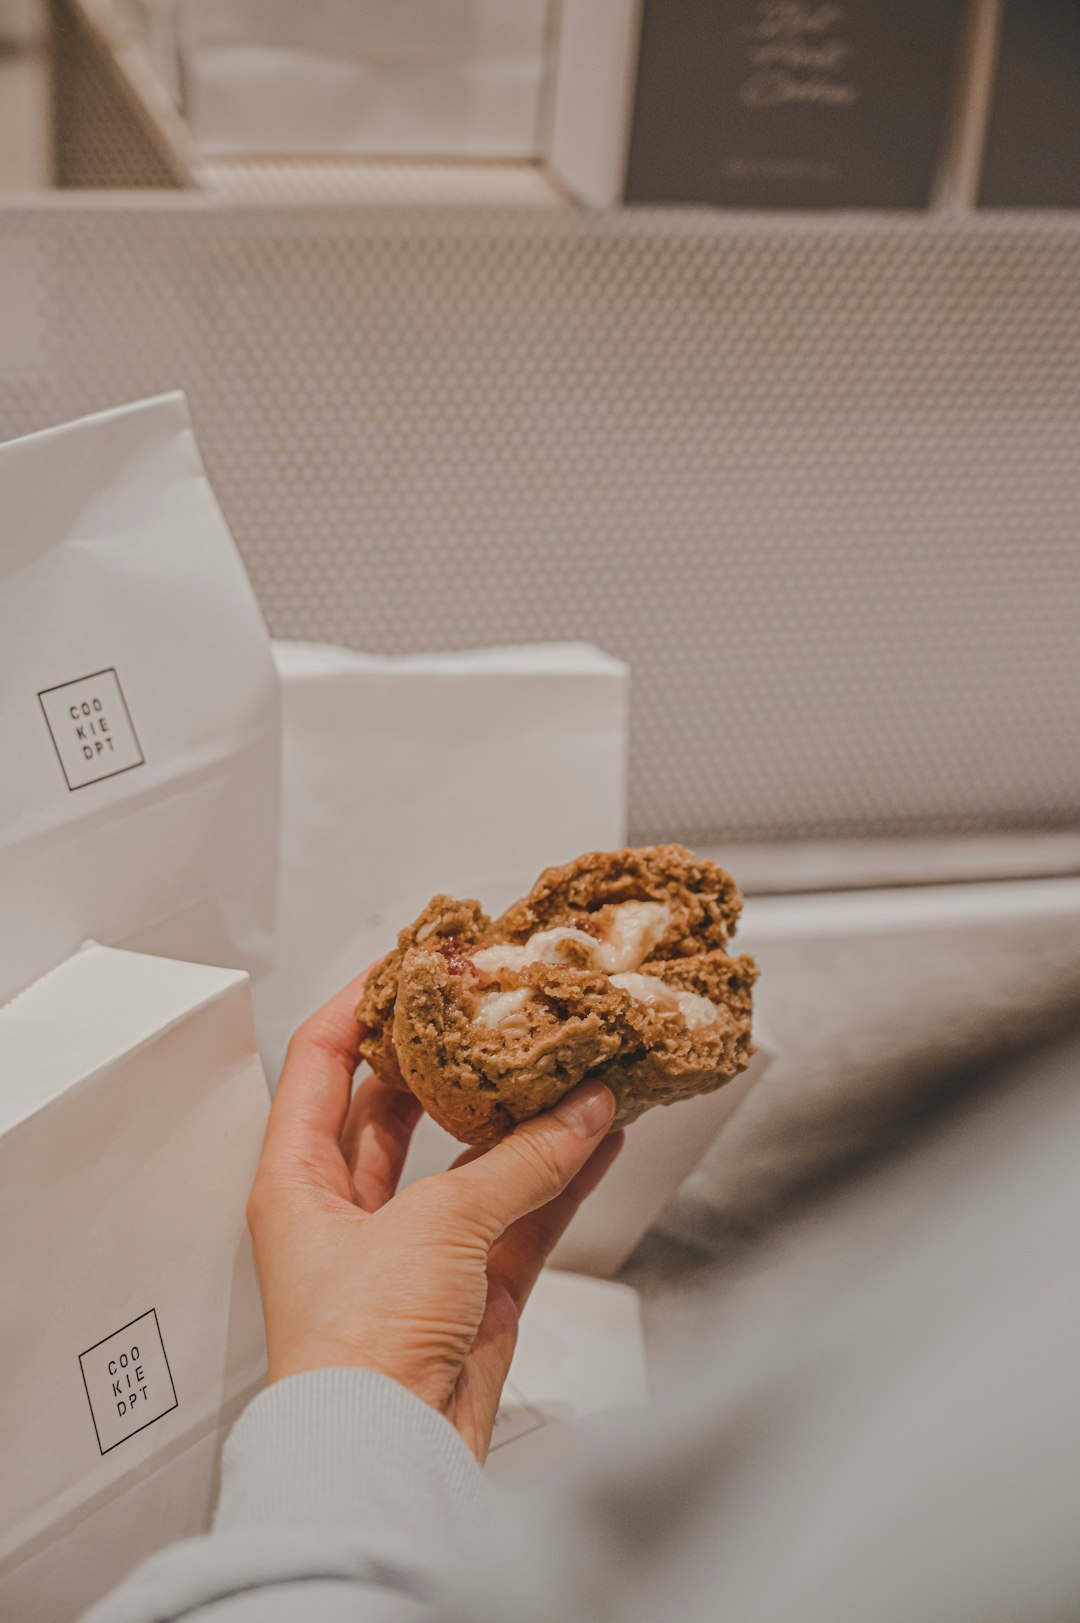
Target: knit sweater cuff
<point>349,1447</point>
<point>339,1477</point>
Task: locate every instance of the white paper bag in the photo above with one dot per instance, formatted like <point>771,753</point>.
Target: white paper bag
<point>131,1115</point>
<point>579,1359</point>
<point>662,1149</point>
<point>400,775</point>
<point>139,715</point>
<point>390,78</point>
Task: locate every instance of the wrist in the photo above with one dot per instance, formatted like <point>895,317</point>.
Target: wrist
<point>307,1358</point>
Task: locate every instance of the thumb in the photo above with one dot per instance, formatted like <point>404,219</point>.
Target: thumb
<point>537,1160</point>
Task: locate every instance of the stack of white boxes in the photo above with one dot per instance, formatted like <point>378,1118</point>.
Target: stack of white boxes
<point>139,859</point>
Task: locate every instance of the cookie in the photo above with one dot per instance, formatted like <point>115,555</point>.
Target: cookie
<point>614,967</point>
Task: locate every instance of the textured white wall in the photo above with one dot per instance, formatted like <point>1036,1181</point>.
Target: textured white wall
<point>816,480</point>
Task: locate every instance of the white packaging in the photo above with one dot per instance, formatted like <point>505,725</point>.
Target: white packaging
<point>131,1115</point>
<point>402,774</point>
<point>383,78</point>
<point>139,714</point>
<point>661,1150</point>
<point>579,1361</point>
<point>586,134</point>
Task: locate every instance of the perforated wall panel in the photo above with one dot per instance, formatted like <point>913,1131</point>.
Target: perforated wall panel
<point>818,480</point>
<point>100,135</point>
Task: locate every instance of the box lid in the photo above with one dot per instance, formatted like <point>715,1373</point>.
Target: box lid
<point>117,1001</point>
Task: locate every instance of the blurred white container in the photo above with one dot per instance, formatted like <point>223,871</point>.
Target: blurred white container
<point>375,78</point>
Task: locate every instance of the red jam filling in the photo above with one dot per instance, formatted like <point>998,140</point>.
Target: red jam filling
<point>458,961</point>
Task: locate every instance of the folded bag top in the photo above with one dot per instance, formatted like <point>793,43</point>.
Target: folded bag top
<point>139,708</point>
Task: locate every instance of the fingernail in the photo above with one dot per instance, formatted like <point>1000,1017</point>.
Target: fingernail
<point>588,1110</point>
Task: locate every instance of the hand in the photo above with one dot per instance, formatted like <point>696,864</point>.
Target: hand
<point>425,1286</point>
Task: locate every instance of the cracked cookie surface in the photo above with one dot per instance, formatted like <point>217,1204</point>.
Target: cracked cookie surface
<point>614,967</point>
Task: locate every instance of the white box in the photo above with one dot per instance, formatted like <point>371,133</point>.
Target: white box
<point>131,1118</point>
<point>400,774</point>
<point>384,79</point>
<point>579,1361</point>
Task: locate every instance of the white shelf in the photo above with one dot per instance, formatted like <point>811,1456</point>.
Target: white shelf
<point>371,183</point>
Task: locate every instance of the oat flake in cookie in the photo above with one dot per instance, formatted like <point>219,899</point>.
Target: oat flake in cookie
<point>614,967</point>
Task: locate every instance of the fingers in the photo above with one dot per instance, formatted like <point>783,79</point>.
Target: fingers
<point>518,1257</point>
<point>480,1384</point>
<point>312,1098</point>
<point>535,1162</point>
<point>514,1265</point>
<point>375,1140</point>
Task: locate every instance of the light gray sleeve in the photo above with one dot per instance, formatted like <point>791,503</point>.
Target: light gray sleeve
<point>342,1496</point>
<point>883,1422</point>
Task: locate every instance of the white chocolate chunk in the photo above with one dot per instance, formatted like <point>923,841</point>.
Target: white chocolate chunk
<point>634,930</point>
<point>697,1011</point>
<point>546,947</point>
<point>500,1008</point>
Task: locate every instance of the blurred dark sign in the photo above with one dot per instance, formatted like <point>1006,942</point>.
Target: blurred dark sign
<point>793,103</point>
<point>1032,155</point>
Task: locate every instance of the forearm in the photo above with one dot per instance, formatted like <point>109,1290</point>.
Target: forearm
<point>342,1495</point>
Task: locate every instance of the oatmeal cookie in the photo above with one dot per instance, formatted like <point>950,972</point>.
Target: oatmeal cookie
<point>614,967</point>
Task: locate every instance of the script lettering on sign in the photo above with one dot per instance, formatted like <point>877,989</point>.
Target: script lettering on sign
<point>798,53</point>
